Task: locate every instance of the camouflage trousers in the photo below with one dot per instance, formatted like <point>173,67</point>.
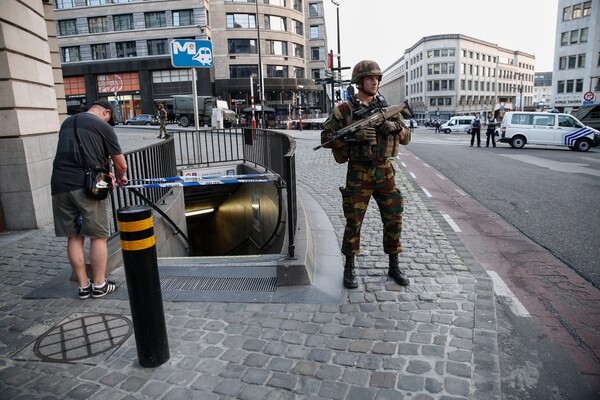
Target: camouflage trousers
<point>363,180</point>
<point>163,128</point>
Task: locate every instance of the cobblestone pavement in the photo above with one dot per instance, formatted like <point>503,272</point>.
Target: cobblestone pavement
<point>435,339</point>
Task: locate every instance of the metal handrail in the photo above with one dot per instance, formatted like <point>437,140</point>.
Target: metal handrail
<point>266,148</point>
<point>156,161</point>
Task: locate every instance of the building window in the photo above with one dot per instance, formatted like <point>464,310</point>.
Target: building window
<point>280,3</point>
<point>60,4</point>
<point>157,47</point>
<point>298,50</point>
<point>315,53</point>
<point>67,27</point>
<point>574,37</point>
<point>277,47</point>
<point>183,18</point>
<point>577,11</point>
<point>126,49</point>
<point>297,27</point>
<point>297,5</point>
<point>298,72</point>
<point>583,35</point>
<point>123,22</point>
<point>240,1</point>
<point>100,51</point>
<point>277,71</point>
<point>242,71</point>
<point>96,2</point>
<point>581,61</point>
<point>313,10</point>
<point>314,32</point>
<point>275,23</point>
<point>97,24</point>
<point>247,21</point>
<point>587,8</point>
<point>70,54</point>
<point>242,46</point>
<point>155,19</point>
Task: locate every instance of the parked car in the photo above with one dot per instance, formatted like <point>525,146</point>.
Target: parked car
<point>458,124</point>
<point>557,129</point>
<point>143,119</point>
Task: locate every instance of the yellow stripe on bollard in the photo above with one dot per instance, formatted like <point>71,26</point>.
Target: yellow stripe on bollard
<point>135,245</point>
<point>135,226</point>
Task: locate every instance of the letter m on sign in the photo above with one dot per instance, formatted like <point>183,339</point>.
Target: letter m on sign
<point>187,47</point>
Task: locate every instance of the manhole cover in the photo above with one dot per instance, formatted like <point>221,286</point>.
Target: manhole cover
<point>83,337</point>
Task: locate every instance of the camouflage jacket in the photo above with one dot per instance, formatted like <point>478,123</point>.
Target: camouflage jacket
<point>343,115</point>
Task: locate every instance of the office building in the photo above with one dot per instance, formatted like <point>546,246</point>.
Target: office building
<point>453,74</point>
<point>120,50</point>
<point>542,91</point>
<point>577,55</point>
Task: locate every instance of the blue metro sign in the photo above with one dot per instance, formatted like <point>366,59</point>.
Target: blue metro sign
<point>191,53</point>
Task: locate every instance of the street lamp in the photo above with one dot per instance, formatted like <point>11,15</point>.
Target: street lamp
<point>261,77</point>
<point>521,90</point>
<point>339,55</point>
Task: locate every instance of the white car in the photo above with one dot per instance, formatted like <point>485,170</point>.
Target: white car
<point>556,129</point>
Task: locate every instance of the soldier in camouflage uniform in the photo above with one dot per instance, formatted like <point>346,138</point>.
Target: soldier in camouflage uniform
<point>370,172</point>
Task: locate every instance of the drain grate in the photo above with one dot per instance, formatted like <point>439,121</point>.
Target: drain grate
<point>204,283</point>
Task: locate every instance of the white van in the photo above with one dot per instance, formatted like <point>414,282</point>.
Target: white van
<point>521,128</point>
<point>457,124</point>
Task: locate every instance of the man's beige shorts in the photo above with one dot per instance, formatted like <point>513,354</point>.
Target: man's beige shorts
<point>67,207</point>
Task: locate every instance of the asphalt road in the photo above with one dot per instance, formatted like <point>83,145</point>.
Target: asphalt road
<point>551,194</point>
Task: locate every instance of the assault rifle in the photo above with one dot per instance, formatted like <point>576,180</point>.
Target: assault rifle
<point>377,117</point>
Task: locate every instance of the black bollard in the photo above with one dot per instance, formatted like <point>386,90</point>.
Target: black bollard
<point>141,272</point>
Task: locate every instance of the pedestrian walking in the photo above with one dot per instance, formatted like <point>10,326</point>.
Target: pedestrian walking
<point>370,172</point>
<point>412,125</point>
<point>437,125</point>
<point>490,133</point>
<point>86,135</point>
<point>162,114</point>
<point>476,130</point>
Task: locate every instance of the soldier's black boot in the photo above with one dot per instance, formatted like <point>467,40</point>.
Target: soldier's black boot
<point>350,280</point>
<point>395,273</point>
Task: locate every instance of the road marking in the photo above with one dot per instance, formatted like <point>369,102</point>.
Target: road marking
<point>451,222</point>
<point>426,192</point>
<point>403,164</point>
<point>442,177</point>
<point>461,192</point>
<point>413,175</point>
<point>567,167</point>
<point>502,290</point>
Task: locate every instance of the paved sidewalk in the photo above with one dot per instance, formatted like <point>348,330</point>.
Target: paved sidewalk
<point>435,339</point>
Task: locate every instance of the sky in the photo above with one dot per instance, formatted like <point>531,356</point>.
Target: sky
<point>382,30</point>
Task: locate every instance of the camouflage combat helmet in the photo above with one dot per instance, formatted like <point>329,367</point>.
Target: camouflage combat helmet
<point>365,68</point>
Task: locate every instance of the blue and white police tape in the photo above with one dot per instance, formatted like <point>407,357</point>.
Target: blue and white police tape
<point>201,178</point>
<point>186,181</point>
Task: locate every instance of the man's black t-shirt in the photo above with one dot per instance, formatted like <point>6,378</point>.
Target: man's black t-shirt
<point>99,141</point>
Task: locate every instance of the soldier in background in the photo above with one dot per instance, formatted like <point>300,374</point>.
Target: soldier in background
<point>162,115</point>
<point>370,172</point>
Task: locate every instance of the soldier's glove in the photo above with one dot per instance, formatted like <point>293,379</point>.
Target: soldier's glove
<point>367,134</point>
<point>390,128</point>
